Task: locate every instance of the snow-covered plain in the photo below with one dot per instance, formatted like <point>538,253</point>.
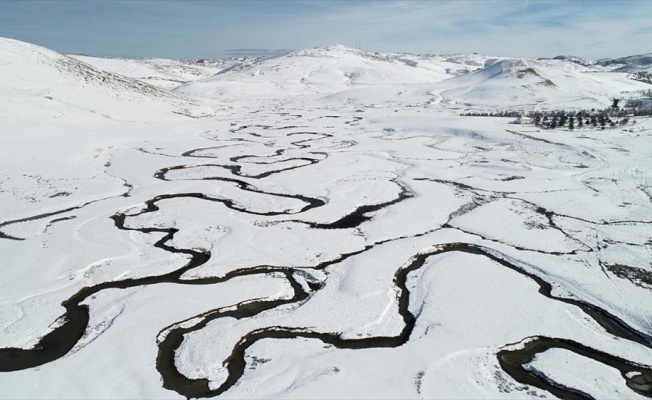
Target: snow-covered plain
<point>321,224</point>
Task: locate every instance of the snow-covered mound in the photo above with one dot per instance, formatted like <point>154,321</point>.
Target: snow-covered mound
<point>50,80</point>
<point>539,84</point>
<point>325,70</point>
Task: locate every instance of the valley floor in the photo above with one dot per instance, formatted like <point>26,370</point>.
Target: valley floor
<point>323,247</point>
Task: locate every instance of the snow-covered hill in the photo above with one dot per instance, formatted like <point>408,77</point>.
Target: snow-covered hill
<point>451,64</point>
<point>55,82</point>
<point>162,72</point>
<point>458,81</point>
<point>638,63</point>
<point>61,117</point>
<point>574,59</point>
<point>539,84</point>
<point>158,72</point>
<point>325,70</point>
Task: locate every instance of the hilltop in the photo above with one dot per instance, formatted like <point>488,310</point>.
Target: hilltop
<point>453,81</point>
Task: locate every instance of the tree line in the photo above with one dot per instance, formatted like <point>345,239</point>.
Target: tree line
<point>610,117</point>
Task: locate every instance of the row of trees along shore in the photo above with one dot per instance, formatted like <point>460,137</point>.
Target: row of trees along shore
<point>610,117</point>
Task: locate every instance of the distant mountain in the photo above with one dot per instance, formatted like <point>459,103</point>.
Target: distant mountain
<point>577,60</point>
<point>454,80</point>
<point>638,63</point>
<point>459,81</point>
<point>331,69</point>
<point>631,64</point>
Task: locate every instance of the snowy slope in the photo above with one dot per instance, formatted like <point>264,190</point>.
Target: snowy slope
<point>542,84</point>
<point>457,81</point>
<point>452,64</point>
<point>630,64</point>
<point>163,73</point>
<point>61,118</point>
<point>637,63</point>
<point>325,70</point>
<point>34,73</point>
<point>574,59</point>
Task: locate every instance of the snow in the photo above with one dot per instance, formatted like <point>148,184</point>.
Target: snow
<point>584,374</point>
<point>276,209</point>
<point>322,70</point>
<point>163,73</point>
<point>539,85</point>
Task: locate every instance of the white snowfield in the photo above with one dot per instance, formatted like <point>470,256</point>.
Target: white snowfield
<point>322,224</point>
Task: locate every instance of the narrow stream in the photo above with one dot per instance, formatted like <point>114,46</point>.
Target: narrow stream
<point>512,361</point>
<point>62,339</point>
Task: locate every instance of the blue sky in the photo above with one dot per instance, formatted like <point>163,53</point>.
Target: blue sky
<point>210,29</point>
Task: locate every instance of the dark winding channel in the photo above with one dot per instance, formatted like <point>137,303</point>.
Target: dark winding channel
<point>62,339</point>
<point>637,377</point>
<point>237,169</point>
<point>512,361</point>
<point>53,213</point>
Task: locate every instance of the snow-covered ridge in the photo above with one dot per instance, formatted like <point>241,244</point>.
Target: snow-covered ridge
<point>538,84</point>
<point>36,65</point>
<point>337,51</point>
<point>328,70</point>
<point>33,71</point>
<point>161,72</point>
<point>636,63</point>
<point>459,81</point>
<point>573,59</point>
